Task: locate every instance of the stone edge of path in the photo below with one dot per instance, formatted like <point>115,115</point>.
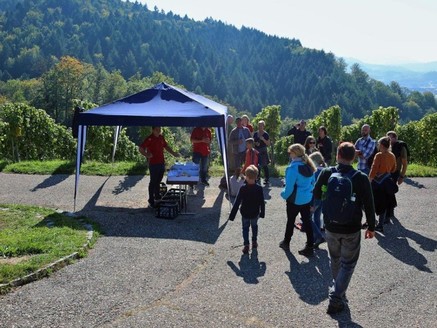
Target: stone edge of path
<point>52,267</point>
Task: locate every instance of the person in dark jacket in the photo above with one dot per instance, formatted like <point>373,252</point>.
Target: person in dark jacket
<point>298,193</point>
<point>324,144</point>
<point>344,240</point>
<point>299,132</point>
<point>251,198</point>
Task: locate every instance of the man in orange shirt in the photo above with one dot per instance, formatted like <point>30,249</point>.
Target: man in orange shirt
<point>153,149</point>
<point>201,140</point>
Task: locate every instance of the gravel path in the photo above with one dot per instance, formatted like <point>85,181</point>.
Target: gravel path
<point>190,272</point>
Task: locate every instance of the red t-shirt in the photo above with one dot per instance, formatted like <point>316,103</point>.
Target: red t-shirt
<point>250,127</point>
<point>155,145</point>
<point>201,147</point>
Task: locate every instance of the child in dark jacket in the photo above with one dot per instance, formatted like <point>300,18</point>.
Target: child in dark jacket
<point>251,198</point>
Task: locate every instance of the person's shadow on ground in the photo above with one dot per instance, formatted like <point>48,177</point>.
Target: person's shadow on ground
<point>250,268</point>
<point>395,242</point>
<point>310,279</point>
<point>51,181</point>
<point>413,183</point>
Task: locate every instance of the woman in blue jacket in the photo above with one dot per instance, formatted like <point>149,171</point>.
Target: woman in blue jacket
<point>298,193</point>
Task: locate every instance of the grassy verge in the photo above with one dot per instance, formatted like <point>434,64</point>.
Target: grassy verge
<point>133,168</point>
<point>69,167</point>
<point>33,237</point>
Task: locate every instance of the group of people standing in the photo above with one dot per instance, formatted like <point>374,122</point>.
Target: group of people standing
<point>305,191</point>
<point>248,147</point>
<point>385,162</point>
<point>381,168</point>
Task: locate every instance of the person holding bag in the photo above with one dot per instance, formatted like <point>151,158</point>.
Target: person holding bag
<point>384,188</point>
<point>298,193</point>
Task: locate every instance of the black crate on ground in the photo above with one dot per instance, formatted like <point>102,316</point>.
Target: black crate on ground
<point>162,189</point>
<point>167,210</point>
<point>177,195</point>
<point>172,199</point>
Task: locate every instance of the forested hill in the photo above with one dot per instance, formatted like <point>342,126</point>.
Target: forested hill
<point>242,67</point>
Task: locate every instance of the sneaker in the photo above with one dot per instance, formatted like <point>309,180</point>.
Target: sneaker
<point>307,251</point>
<point>319,241</point>
<point>285,246</point>
<point>254,244</point>
<point>245,249</point>
<point>334,308</point>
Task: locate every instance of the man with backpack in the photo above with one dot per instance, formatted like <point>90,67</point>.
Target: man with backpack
<point>400,150</point>
<point>345,192</point>
<point>365,149</point>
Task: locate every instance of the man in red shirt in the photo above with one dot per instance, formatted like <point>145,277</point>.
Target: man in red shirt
<point>153,149</point>
<point>201,139</point>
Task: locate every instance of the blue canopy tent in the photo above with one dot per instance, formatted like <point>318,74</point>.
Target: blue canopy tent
<point>161,105</point>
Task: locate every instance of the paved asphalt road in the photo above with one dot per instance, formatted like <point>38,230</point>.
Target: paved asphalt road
<point>190,272</point>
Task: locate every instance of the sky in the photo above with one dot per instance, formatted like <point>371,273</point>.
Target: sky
<point>372,31</point>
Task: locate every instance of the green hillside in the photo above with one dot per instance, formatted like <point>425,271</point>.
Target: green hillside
<point>245,68</point>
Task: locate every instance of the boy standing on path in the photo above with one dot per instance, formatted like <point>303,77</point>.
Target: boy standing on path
<point>251,198</point>
<point>344,239</point>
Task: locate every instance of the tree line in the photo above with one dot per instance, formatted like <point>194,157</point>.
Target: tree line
<point>28,133</point>
<point>106,48</point>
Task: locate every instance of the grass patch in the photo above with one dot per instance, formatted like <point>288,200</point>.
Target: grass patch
<point>136,168</point>
<point>417,170</point>
<point>69,167</point>
<point>32,237</point>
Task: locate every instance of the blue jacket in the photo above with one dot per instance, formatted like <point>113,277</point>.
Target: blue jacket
<point>297,172</point>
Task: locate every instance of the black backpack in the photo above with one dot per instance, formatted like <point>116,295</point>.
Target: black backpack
<point>339,203</point>
<point>397,149</point>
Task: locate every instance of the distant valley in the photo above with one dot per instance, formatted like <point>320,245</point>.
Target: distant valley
<point>420,76</point>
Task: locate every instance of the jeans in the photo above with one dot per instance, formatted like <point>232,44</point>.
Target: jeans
<point>203,165</point>
<point>247,223</point>
<point>316,222</point>
<point>156,175</point>
<point>305,213</point>
<point>344,251</point>
<point>263,161</point>
<point>239,159</point>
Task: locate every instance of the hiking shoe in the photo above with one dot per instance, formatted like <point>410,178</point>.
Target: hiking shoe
<point>307,251</point>
<point>319,241</point>
<point>334,308</point>
<point>254,244</point>
<point>285,246</point>
<point>245,249</point>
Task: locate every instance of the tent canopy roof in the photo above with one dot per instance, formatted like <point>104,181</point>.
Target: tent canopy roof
<point>161,105</point>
